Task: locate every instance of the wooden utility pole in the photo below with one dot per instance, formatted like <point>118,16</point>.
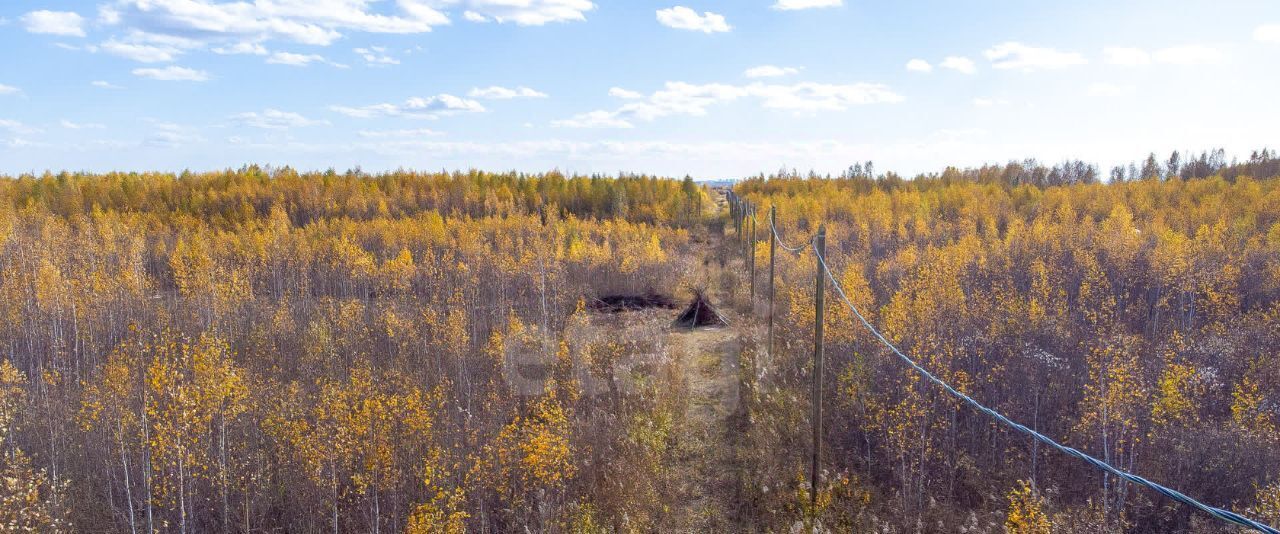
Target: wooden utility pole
<point>751,254</point>
<point>773,249</point>
<point>819,300</point>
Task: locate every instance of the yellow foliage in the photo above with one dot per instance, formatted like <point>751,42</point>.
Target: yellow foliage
<point>1267,509</point>
<point>1026,511</point>
<point>443,515</point>
<point>1247,408</point>
<point>27,497</point>
<point>12,394</point>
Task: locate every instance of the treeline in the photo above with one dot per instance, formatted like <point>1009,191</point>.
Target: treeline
<point>1177,166</point>
<point>259,350</point>
<point>239,196</point>
<point>1138,321</point>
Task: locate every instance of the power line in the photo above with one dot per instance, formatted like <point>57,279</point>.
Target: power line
<point>1224,515</point>
<point>781,243</point>
<point>1219,513</point>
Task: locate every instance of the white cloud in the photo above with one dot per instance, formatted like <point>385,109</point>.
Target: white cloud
<point>18,142</point>
<point>959,64</point>
<point>502,93</point>
<point>143,53</point>
<point>9,90</point>
<point>171,136</point>
<point>593,119</point>
<point>680,98</point>
<point>788,5</point>
<point>274,119</point>
<point>157,31</point>
<point>242,48</point>
<point>1267,33</point>
<point>530,12</point>
<point>146,47</point>
<point>919,65</point>
<point>444,102</point>
<point>81,126</point>
<point>316,22</point>
<point>173,73</point>
<point>370,111</point>
<point>1128,56</point>
<point>770,71</point>
<point>376,55</point>
<point>1187,55</point>
<point>812,97</point>
<point>989,102</point>
<point>296,60</point>
<point>1014,55</point>
<point>104,85</point>
<point>17,127</point>
<point>414,108</point>
<point>625,94</point>
<point>389,134</point>
<point>683,18</point>
<point>54,22</point>
<point>1111,90</point>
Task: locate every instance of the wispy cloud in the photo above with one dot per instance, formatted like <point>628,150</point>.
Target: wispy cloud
<point>274,119</point>
<point>65,23</point>
<point>146,47</point>
<point>170,135</point>
<point>81,126</point>
<point>312,23</point>
<point>959,64</point>
<point>299,60</point>
<point>104,85</point>
<point>680,98</point>
<point>415,108</point>
<point>1018,56</point>
<point>405,133</point>
<point>376,56</point>
<point>249,48</point>
<point>625,94</point>
<point>8,90</point>
<point>530,12</point>
<point>683,18</point>
<point>17,127</point>
<point>791,5</point>
<point>173,74</point>
<point>142,53</point>
<point>919,65</point>
<point>770,71</point>
<point>594,119</point>
<point>502,93</point>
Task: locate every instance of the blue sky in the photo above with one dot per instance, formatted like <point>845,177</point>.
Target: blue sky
<point>715,89</point>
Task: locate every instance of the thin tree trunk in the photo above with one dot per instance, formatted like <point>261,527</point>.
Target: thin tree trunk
<point>128,491</point>
<point>222,471</point>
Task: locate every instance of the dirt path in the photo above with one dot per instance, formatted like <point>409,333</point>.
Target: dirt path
<point>701,484</point>
<point>708,363</point>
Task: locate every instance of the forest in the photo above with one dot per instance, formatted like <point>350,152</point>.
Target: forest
<point>267,350</point>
